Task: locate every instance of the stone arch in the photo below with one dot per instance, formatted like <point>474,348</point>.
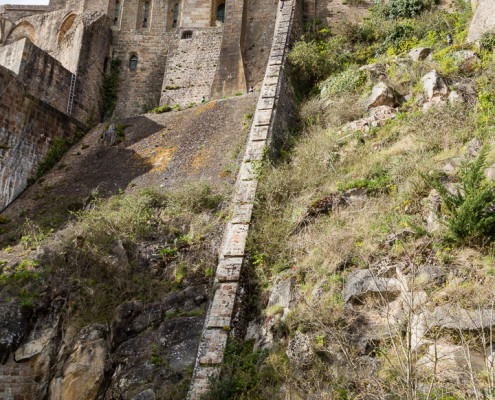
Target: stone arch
<point>217,11</point>
<point>66,25</point>
<point>20,31</point>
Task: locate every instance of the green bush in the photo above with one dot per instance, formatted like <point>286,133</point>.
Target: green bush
<point>162,109</point>
<point>488,41</point>
<point>313,61</point>
<point>404,8</point>
<point>468,214</point>
<point>344,82</point>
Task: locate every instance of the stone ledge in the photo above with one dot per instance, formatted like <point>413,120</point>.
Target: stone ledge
<point>242,213</point>
<point>259,133</point>
<point>235,240</point>
<point>223,306</point>
<point>212,347</point>
<point>245,192</point>
<point>229,270</point>
<point>255,151</point>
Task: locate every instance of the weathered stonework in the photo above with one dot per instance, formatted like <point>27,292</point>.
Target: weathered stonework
<point>27,129</point>
<point>270,124</point>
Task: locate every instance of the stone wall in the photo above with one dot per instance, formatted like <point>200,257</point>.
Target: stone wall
<point>191,66</point>
<point>16,381</point>
<point>150,46</point>
<point>272,119</point>
<point>27,129</point>
<point>230,76</point>
<point>261,17</point>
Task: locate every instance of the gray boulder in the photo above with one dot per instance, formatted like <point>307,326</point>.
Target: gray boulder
<point>434,86</point>
<point>381,95</point>
<point>483,20</point>
<point>419,53</point>
<point>361,283</point>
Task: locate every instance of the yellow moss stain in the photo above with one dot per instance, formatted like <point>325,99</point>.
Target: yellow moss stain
<point>156,156</point>
<point>201,160</point>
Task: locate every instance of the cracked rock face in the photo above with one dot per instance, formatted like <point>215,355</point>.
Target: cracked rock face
<point>83,372</point>
<point>483,20</point>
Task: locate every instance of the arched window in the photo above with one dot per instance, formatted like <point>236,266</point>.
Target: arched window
<point>176,15</point>
<point>221,13</point>
<point>146,14</point>
<point>117,12</point>
<point>133,63</point>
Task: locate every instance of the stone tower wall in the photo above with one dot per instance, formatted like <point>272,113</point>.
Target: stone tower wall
<point>191,66</point>
<point>230,76</point>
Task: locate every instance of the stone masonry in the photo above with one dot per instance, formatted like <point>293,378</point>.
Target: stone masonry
<point>27,129</point>
<point>17,381</point>
<point>230,76</point>
<point>262,136</point>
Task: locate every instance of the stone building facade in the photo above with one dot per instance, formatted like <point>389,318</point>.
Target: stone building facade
<point>171,51</point>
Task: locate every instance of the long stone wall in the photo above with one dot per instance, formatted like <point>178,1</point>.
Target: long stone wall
<point>274,113</point>
<point>27,129</point>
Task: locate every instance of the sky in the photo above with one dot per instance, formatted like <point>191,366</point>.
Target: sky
<point>31,2</point>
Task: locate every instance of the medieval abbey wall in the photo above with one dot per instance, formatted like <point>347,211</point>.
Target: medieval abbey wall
<point>27,130</point>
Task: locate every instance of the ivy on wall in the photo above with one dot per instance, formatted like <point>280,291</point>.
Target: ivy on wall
<point>108,91</point>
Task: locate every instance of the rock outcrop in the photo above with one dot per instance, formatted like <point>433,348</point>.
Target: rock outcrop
<point>483,20</point>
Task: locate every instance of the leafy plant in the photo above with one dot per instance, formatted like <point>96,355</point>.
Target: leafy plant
<point>404,8</point>
<point>468,213</point>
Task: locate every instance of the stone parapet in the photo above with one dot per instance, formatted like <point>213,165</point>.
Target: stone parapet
<point>267,127</point>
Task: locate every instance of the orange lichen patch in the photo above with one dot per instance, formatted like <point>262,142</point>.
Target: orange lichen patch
<point>159,158</point>
<point>201,160</point>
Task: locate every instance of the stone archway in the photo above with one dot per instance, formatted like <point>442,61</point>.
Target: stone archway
<point>20,31</point>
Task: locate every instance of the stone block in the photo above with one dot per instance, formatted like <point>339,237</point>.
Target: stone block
<point>235,240</point>
<point>212,346</point>
<point>271,80</point>
<point>247,171</point>
<point>222,307</point>
<point>229,270</point>
<point>262,117</point>
<point>245,192</point>
<point>254,151</point>
<point>267,103</point>
<point>273,71</point>
<point>269,91</point>
<point>242,214</point>
<point>259,133</point>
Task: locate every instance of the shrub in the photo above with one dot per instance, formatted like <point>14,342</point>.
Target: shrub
<point>162,109</point>
<point>344,82</point>
<point>404,8</point>
<point>313,61</point>
<point>488,41</point>
<point>468,214</point>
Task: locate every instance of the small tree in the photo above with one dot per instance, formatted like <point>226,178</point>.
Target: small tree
<point>469,213</point>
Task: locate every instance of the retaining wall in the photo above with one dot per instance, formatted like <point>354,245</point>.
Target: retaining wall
<point>27,129</point>
<point>273,116</point>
